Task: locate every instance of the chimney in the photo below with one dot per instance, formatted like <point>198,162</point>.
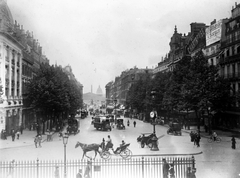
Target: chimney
<point>235,4</point>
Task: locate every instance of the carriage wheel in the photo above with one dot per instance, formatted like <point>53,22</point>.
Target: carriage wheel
<point>126,154</point>
<point>149,143</point>
<point>105,155</point>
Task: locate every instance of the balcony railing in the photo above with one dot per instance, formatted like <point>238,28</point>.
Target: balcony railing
<point>230,59</point>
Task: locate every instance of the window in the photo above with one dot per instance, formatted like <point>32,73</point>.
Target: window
<point>228,71</point>
<point>238,49</point>
<point>234,88</point>
<point>233,70</point>
<point>211,61</point>
<point>233,50</point>
<point>227,53</point>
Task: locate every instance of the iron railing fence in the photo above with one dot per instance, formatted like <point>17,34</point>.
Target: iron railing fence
<point>136,167</point>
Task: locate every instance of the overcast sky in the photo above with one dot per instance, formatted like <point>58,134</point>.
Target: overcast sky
<point>101,38</point>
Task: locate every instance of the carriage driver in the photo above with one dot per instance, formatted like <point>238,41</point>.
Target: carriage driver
<point>118,148</point>
<point>109,143</point>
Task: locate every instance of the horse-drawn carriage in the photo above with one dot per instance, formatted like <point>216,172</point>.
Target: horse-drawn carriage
<point>102,123</point>
<point>175,129</point>
<point>120,124</point>
<point>147,140</point>
<point>123,151</point>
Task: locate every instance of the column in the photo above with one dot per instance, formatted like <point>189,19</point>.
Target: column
<point>15,74</point>
<point>20,77</point>
<point>10,73</point>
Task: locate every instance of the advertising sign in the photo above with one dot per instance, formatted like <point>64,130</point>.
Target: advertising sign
<point>213,33</point>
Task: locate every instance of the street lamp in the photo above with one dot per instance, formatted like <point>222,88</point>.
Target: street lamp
<point>115,103</point>
<point>65,141</point>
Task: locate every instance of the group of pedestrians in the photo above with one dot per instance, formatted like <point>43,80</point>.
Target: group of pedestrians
<point>195,137</point>
<point>134,123</point>
<point>13,133</point>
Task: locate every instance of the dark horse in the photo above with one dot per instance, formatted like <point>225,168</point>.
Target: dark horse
<point>89,147</point>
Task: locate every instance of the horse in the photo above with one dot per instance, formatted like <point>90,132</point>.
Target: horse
<point>89,147</point>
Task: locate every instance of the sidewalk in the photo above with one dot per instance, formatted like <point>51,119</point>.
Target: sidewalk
<point>26,139</point>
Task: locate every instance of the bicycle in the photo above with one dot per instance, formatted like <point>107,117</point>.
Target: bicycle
<point>211,139</point>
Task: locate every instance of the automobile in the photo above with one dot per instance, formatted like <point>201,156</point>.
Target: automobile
<point>73,126</point>
<point>101,123</point>
<point>175,128</point>
<point>120,124</point>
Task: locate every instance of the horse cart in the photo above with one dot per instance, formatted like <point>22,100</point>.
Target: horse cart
<point>147,139</point>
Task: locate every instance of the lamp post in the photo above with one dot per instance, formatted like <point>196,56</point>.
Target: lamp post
<point>115,103</point>
<point>153,115</point>
<point>65,141</point>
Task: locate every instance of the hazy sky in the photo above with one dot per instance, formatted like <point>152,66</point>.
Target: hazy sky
<point>101,38</point>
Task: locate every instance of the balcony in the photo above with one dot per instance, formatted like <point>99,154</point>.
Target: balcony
<point>229,59</point>
<point>232,76</point>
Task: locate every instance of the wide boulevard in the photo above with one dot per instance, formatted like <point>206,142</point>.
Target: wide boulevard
<point>216,160</point>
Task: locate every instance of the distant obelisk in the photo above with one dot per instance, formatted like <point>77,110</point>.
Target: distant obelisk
<point>91,88</point>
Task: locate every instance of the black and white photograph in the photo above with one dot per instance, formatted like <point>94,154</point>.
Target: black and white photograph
<point>120,89</point>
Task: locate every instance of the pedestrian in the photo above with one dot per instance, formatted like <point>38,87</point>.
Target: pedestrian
<point>79,174</point>
<point>171,170</point>
<point>4,135</point>
<point>197,138</point>
<point>21,128</point>
<point>36,141</point>
<point>88,170</point>
<point>165,168</point>
<point>192,136</point>
<point>233,143</point>
<point>56,173</point>
<point>18,134</point>
<point>13,134</point>
<point>39,140</point>
<point>60,135</point>
<point>134,123</point>
<point>128,123</point>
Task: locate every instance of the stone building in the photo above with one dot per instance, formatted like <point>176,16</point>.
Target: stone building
<point>20,57</point>
<point>230,64</point>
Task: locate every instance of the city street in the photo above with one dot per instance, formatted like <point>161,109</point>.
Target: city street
<point>217,159</point>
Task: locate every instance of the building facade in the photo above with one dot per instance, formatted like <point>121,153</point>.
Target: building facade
<point>20,58</point>
<point>230,65</point>
<point>10,73</point>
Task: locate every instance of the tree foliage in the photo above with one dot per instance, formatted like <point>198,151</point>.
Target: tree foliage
<point>52,93</point>
<point>192,85</point>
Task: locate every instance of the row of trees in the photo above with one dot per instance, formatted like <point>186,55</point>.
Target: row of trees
<point>192,85</point>
<point>52,95</point>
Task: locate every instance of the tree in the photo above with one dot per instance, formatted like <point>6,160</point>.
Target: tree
<point>52,94</point>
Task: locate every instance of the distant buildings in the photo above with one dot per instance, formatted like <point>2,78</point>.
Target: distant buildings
<point>116,91</point>
<point>219,41</point>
